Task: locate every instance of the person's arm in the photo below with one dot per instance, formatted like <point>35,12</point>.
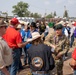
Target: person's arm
<point>2,63</point>
<point>48,41</point>
<point>5,71</point>
<point>65,49</point>
<point>22,44</point>
<point>73,59</point>
<point>19,42</point>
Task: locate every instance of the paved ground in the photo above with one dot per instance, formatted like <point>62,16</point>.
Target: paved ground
<point>66,69</point>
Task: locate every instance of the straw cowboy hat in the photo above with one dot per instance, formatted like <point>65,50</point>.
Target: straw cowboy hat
<point>19,26</point>
<point>35,35</point>
<point>23,22</point>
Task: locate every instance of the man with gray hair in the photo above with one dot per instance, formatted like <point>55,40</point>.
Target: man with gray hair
<point>5,51</point>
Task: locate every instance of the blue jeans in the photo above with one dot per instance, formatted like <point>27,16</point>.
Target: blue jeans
<point>26,58</point>
<point>45,34</point>
<point>1,73</point>
<point>15,65</point>
<point>74,72</point>
<point>20,63</point>
<point>72,40</point>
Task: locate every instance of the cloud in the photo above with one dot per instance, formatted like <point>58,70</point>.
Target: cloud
<point>46,2</point>
<point>70,2</point>
<point>66,2</point>
<point>59,1</point>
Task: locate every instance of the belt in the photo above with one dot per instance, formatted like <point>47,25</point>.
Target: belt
<point>39,72</point>
<point>14,48</point>
<point>8,66</point>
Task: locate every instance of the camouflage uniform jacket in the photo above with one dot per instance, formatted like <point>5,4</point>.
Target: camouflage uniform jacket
<point>61,43</point>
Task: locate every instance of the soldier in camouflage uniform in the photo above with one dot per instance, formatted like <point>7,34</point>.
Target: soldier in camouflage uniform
<point>60,43</point>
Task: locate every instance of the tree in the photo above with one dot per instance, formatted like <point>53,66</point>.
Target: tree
<point>21,9</point>
<point>31,14</point>
<point>5,14</point>
<point>55,13</point>
<point>36,15</point>
<point>50,16</point>
<point>65,14</point>
<point>27,14</point>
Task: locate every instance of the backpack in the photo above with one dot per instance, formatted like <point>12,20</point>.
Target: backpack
<point>75,33</point>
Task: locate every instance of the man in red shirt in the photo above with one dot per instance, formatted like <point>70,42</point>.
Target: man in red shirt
<point>14,40</point>
<point>73,61</point>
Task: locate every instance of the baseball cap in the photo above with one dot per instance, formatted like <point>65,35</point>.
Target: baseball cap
<point>14,21</point>
<point>33,24</point>
<point>74,24</point>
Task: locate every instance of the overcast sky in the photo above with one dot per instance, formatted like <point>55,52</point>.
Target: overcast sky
<point>42,6</point>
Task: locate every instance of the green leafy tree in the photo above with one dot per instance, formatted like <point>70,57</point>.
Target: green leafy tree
<point>21,9</point>
<point>50,16</point>
<point>31,14</point>
<point>5,14</point>
<point>27,14</point>
<point>36,15</point>
<point>65,14</point>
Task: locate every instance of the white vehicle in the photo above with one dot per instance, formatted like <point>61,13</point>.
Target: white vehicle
<point>26,19</point>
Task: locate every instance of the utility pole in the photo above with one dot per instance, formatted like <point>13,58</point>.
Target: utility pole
<point>64,8</point>
<point>45,13</point>
<point>0,13</point>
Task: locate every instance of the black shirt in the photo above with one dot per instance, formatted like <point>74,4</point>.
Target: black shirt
<point>44,53</point>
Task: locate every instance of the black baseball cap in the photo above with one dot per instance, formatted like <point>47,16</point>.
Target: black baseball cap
<point>33,24</point>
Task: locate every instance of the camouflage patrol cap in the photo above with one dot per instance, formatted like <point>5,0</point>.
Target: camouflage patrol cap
<point>59,26</point>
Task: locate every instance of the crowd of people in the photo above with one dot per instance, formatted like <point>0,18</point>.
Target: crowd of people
<point>44,48</point>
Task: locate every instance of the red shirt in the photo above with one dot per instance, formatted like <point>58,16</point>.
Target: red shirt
<point>12,37</point>
<point>74,54</point>
<point>74,57</point>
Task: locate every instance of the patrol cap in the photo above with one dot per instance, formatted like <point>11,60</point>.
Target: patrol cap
<point>59,26</point>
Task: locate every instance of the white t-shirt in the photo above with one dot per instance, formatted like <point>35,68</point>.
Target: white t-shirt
<point>47,29</point>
